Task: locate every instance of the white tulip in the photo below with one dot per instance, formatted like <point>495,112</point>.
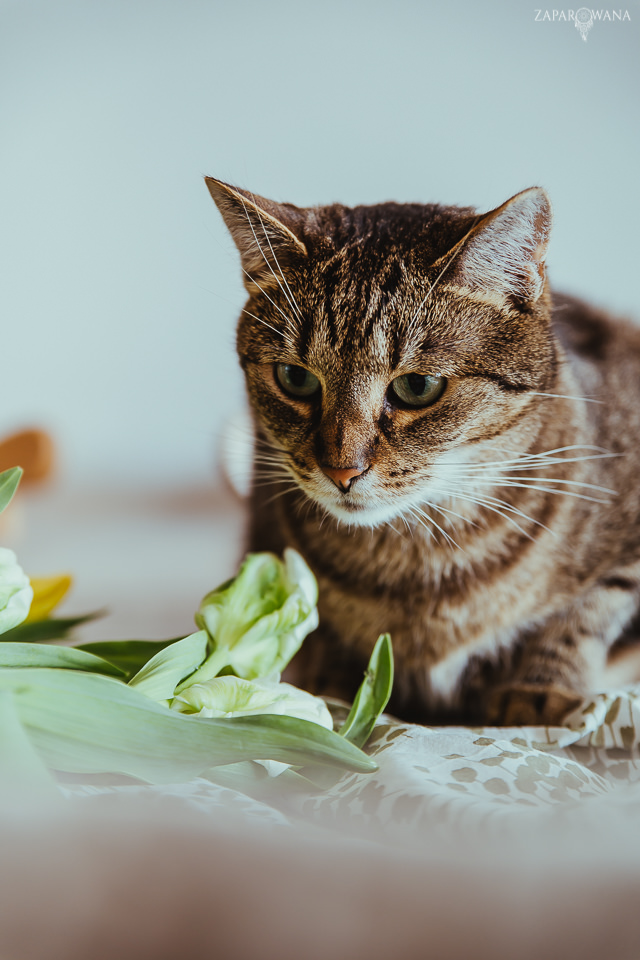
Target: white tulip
<point>235,697</point>
<point>258,620</point>
<point>16,593</point>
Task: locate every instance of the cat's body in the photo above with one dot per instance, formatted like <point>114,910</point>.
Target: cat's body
<point>462,449</point>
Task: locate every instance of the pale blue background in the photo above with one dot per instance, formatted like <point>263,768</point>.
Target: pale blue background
<point>120,287</point>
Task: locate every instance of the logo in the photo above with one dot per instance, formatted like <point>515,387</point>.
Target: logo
<point>583,22</point>
<point>583,19</point>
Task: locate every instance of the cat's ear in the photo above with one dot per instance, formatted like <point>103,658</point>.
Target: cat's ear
<point>505,251</point>
<point>264,232</point>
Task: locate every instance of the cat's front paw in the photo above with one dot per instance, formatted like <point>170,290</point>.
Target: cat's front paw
<point>525,705</point>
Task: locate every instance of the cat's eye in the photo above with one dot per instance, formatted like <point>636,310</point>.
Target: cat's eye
<point>416,389</point>
<point>296,381</point>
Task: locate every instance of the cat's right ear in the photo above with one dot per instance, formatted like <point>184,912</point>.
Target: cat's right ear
<point>264,232</point>
<point>504,253</point>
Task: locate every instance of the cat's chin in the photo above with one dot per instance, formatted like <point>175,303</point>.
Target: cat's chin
<point>356,513</point>
<point>359,515</point>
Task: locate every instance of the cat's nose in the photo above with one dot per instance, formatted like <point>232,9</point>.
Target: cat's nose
<point>343,478</point>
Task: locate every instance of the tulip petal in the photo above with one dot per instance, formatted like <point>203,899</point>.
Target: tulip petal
<point>258,620</point>
<point>235,697</point>
<point>15,591</point>
<point>47,594</point>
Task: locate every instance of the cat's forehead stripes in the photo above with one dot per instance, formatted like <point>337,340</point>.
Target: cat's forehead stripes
<point>362,326</point>
<point>361,313</point>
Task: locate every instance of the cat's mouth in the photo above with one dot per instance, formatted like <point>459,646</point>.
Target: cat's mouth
<point>357,504</point>
<point>365,503</point>
<point>368,500</point>
<point>360,514</point>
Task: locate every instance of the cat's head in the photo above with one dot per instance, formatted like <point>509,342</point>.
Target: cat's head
<point>384,344</point>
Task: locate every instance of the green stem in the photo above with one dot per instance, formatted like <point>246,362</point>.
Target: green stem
<point>211,667</point>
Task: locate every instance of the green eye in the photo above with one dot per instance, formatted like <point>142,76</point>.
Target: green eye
<point>417,389</point>
<point>297,381</point>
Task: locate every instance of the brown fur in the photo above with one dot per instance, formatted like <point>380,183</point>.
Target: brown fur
<point>503,600</point>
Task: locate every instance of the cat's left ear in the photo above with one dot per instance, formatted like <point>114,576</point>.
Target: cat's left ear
<point>505,251</point>
<point>264,232</point>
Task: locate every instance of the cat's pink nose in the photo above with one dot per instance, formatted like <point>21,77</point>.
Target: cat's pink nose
<point>342,478</point>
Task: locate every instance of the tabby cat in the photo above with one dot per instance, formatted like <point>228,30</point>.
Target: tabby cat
<point>454,448</point>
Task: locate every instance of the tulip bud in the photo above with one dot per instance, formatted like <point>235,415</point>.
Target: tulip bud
<point>16,593</point>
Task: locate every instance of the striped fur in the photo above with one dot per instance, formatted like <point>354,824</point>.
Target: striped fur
<point>495,533</point>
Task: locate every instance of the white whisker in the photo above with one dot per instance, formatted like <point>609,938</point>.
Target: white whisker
<point>391,525</point>
<point>499,478</point>
<point>456,250</point>
<point>280,493</point>
<point>288,292</point>
<point>418,514</point>
<point>452,513</point>
<point>260,320</point>
<point>274,477</point>
<point>406,523</point>
<point>562,396</point>
<point>261,485</point>
<point>489,504</point>
<point>422,523</point>
<point>486,499</point>
<point>292,329</point>
<point>269,460</point>
<point>526,461</point>
<point>526,486</point>
<point>539,464</point>
<point>263,441</point>
<point>572,446</point>
<point>255,237</point>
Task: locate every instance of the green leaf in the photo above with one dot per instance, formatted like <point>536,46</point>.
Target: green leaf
<point>9,481</point>
<point>160,676</point>
<point>373,695</point>
<point>21,769</point>
<point>68,658</point>
<point>129,655</point>
<point>88,723</point>
<point>43,631</point>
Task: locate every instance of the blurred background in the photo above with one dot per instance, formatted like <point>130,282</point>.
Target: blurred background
<point>120,286</point>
